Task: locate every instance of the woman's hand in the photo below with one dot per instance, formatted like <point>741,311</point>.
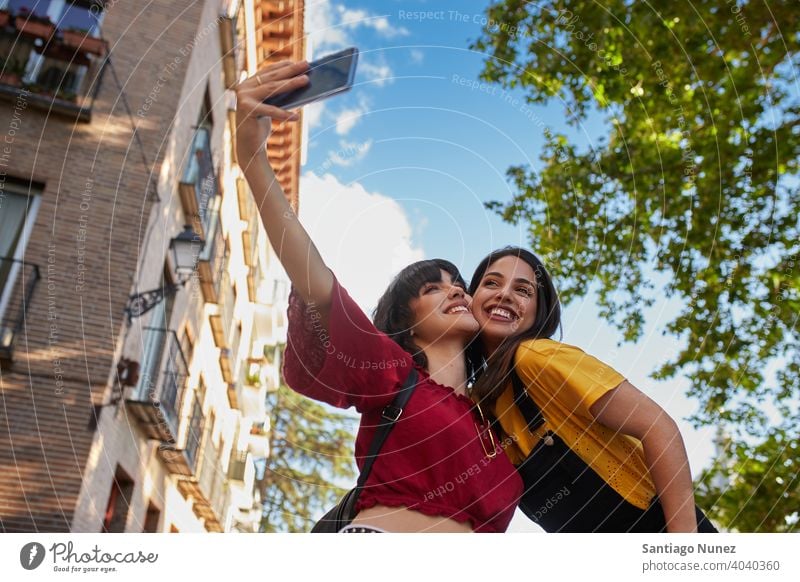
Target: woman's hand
<point>297,253</point>
<point>253,116</point>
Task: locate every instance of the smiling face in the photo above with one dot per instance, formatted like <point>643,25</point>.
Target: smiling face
<point>442,309</point>
<point>504,303</point>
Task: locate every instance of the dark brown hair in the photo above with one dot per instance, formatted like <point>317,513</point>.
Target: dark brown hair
<point>494,373</point>
<point>394,316</point>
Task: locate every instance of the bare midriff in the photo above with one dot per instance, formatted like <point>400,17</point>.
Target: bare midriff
<point>405,520</point>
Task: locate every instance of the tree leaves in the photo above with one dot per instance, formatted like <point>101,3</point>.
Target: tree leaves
<point>311,454</point>
<point>696,183</point>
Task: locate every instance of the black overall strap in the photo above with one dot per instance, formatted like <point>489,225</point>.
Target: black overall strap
<point>528,408</point>
<point>390,415</point>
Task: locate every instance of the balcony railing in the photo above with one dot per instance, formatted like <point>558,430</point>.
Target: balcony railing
<point>213,261</point>
<point>208,487</point>
<point>18,281</point>
<point>238,466</point>
<point>184,461</point>
<point>195,432</point>
<point>229,357</point>
<point>222,321</point>
<point>155,401</point>
<point>55,69</point>
<point>199,186</point>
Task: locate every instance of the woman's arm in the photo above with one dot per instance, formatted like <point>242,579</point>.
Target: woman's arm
<point>629,411</point>
<point>296,251</point>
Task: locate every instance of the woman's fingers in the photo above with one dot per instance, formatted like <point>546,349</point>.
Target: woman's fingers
<point>277,72</point>
<point>277,87</point>
<point>267,90</point>
<point>262,110</point>
<point>286,70</point>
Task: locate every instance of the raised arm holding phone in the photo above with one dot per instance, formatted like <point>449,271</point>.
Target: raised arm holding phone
<point>425,477</point>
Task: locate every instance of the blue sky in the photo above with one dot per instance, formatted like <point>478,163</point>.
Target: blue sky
<point>398,169</point>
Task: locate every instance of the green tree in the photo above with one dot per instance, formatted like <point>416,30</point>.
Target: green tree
<point>696,182</point>
<point>311,450</point>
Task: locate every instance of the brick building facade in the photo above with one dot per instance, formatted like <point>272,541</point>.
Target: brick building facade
<point>111,144</point>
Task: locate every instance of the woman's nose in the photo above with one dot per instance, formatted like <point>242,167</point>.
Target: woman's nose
<point>456,291</point>
<point>502,294</point>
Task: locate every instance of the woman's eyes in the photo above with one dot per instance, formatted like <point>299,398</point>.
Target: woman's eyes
<point>524,290</point>
<point>434,287</point>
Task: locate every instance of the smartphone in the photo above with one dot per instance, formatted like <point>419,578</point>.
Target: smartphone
<point>327,76</point>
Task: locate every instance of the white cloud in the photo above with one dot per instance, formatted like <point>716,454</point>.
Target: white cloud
<point>321,29</point>
<point>380,74</point>
<point>349,153</point>
<point>417,56</point>
<point>355,18</point>
<point>365,237</point>
<point>348,118</point>
<point>328,23</point>
<point>312,114</point>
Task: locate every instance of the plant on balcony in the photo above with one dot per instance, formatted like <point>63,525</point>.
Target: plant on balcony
<point>253,379</point>
<point>65,95</point>
<point>39,89</point>
<point>31,24</point>
<point>270,352</point>
<point>11,72</point>
<point>80,39</point>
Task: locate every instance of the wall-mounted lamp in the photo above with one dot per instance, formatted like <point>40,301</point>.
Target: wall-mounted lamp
<point>184,257</point>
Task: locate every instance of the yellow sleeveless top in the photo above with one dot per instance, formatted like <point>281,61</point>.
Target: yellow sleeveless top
<point>565,382</point>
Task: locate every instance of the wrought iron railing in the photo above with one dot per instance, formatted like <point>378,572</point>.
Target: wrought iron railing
<point>195,432</point>
<point>163,378</point>
<point>238,466</point>
<point>213,260</point>
<point>211,480</point>
<point>198,186</point>
<point>18,280</point>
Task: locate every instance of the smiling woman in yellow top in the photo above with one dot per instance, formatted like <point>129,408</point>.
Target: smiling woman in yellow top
<point>595,453</point>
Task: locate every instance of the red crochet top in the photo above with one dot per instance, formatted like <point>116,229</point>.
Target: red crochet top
<point>433,461</point>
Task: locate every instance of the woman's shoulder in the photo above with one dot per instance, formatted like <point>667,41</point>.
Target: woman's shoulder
<point>544,345</point>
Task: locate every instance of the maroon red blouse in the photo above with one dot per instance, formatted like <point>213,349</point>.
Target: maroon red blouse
<point>434,461</point>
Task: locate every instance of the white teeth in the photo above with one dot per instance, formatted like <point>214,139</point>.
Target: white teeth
<point>502,313</point>
<point>457,309</point>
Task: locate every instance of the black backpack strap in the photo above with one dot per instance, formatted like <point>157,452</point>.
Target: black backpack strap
<point>390,415</point>
<point>529,409</point>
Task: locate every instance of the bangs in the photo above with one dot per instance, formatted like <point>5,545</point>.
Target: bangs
<point>411,279</point>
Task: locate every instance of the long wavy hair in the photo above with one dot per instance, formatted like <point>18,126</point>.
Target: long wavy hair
<point>493,373</point>
<point>394,316</point>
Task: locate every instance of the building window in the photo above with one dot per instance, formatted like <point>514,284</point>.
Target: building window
<point>206,118</point>
<point>151,519</point>
<point>83,15</point>
<point>118,503</point>
<point>196,425</point>
<point>156,339</point>
<point>19,203</point>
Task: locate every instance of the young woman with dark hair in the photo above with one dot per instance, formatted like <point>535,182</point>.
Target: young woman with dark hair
<point>595,453</point>
<point>439,469</point>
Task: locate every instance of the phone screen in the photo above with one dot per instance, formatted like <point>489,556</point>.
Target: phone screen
<point>327,76</point>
